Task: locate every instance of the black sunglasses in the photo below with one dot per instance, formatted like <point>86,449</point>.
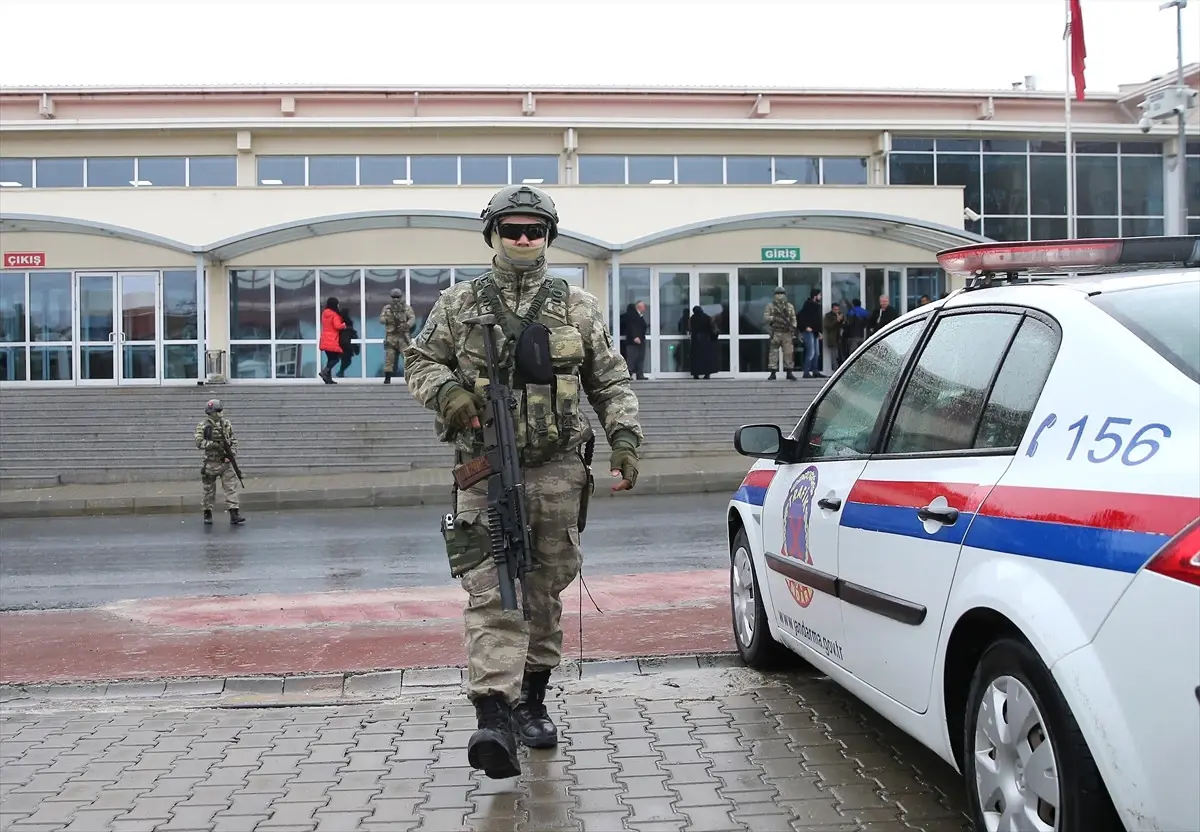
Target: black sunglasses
<point>514,231</point>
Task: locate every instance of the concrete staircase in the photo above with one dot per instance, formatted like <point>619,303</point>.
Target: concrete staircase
<point>106,435</point>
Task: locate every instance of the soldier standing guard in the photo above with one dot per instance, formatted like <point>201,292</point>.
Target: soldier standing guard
<point>212,434</point>
<point>397,318</point>
<point>780,317</point>
<point>509,660</point>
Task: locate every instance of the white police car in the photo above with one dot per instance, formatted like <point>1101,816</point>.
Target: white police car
<point>987,527</point>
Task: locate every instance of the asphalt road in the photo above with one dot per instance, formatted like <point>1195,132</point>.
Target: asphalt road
<point>80,562</point>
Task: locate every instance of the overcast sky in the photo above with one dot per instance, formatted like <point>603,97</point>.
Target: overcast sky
<point>962,44</point>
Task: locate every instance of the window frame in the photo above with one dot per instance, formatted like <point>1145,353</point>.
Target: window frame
<point>803,427</point>
<point>1021,312</point>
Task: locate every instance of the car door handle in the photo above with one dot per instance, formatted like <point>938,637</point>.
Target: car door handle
<point>941,514</point>
<point>830,503</point>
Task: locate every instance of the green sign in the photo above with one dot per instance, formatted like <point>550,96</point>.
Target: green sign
<point>781,254</point>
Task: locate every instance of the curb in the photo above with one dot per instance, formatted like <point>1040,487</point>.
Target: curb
<point>331,688</point>
<point>365,496</point>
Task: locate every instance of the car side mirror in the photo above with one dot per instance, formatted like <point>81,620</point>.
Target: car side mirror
<point>758,441</point>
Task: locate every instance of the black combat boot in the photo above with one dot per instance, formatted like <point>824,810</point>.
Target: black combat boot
<point>387,378</point>
<point>772,376</point>
<point>492,748</point>
<point>791,376</point>
<point>208,516</point>
<point>530,720</point>
<point>235,517</point>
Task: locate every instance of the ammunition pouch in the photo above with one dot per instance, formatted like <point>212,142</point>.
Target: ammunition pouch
<point>467,541</point>
<point>532,356</point>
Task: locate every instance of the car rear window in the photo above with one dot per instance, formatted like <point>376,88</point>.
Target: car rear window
<point>1166,317</point>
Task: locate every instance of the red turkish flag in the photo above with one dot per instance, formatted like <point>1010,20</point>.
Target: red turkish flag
<point>1078,49</point>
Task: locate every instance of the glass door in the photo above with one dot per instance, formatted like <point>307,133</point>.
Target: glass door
<point>139,334</point>
<point>668,323</point>
<point>712,293</point>
<point>95,306</point>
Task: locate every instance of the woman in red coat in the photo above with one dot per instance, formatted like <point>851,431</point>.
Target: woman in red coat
<point>330,344</point>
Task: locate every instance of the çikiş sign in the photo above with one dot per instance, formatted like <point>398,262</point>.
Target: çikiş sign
<point>781,254</point>
<point>24,259</point>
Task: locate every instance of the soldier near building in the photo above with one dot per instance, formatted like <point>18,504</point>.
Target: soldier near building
<point>509,658</point>
<point>780,317</point>
<point>397,318</point>
<point>214,436</point>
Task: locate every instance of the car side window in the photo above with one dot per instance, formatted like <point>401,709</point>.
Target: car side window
<point>944,395</point>
<point>846,416</point>
<point>1018,387</point>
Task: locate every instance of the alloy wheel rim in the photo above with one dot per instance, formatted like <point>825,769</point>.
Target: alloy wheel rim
<point>1016,773</point>
<point>745,604</point>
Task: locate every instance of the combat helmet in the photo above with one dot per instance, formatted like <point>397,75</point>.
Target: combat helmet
<point>213,406</point>
<point>397,293</point>
<point>520,200</point>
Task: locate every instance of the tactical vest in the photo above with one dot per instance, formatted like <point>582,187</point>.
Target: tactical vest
<point>395,312</point>
<point>547,418</point>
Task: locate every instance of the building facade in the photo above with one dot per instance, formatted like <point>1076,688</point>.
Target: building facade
<point>160,236</point>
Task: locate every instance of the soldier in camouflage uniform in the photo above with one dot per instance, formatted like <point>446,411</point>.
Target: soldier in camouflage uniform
<point>780,317</point>
<point>509,659</point>
<point>397,318</point>
<point>209,435</point>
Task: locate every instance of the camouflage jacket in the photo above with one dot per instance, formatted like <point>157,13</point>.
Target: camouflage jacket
<point>398,318</point>
<point>213,451</point>
<point>549,419</point>
<point>780,317</point>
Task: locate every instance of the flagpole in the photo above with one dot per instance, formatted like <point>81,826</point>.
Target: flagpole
<point>1071,230</point>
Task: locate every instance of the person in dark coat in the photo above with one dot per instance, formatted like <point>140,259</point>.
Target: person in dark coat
<point>704,343</point>
<point>633,341</point>
<point>346,342</point>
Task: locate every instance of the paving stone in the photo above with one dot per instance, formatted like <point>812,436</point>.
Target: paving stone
<point>135,690</point>
<point>328,684</point>
<point>385,683</point>
<point>424,677</point>
<point>263,685</point>
<point>758,762</point>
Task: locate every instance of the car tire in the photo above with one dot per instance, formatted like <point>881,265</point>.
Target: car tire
<point>751,631</point>
<point>1002,759</point>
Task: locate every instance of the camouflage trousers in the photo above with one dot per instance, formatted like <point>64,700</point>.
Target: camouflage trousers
<point>209,474</point>
<point>781,341</point>
<point>393,348</point>
<point>502,645</point>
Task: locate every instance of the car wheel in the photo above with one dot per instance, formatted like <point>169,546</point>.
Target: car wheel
<point>750,629</point>
<point>1026,764</point>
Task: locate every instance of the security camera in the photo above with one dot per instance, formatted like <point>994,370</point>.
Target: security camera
<point>1144,124</point>
<point>971,215</point>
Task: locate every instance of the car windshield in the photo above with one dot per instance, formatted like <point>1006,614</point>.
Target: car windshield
<point>1166,317</point>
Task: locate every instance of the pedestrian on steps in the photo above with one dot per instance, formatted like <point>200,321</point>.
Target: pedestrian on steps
<point>331,325</point>
<point>214,436</point>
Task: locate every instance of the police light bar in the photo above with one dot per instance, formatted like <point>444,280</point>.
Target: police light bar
<point>1071,255</point>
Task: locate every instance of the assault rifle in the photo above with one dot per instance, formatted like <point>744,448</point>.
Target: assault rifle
<point>508,521</point>
<point>227,450</point>
<point>232,460</point>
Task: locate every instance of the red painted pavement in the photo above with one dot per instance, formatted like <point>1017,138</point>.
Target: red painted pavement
<point>651,614</point>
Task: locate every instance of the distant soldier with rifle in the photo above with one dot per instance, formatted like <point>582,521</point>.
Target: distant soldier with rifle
<point>214,436</point>
<point>506,361</point>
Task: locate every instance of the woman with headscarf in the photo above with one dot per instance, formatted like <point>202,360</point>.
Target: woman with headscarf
<point>704,343</point>
<point>330,343</point>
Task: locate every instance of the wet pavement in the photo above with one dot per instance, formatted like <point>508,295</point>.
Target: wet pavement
<point>708,750</point>
<point>60,563</point>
